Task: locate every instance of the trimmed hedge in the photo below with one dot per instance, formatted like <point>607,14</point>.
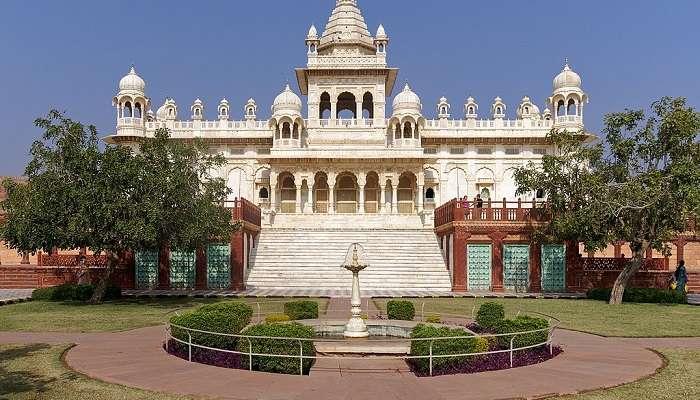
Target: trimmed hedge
<point>433,319</point>
<point>227,318</point>
<point>277,318</point>
<point>280,365</point>
<point>641,295</point>
<point>490,314</point>
<point>73,292</point>
<point>242,310</point>
<point>304,309</point>
<point>521,324</point>
<point>469,344</point>
<point>401,310</point>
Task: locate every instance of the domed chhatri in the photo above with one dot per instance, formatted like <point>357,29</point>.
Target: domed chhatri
<point>407,100</point>
<point>567,78</point>
<point>132,82</point>
<point>287,101</point>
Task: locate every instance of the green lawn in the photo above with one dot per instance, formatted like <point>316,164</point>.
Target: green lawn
<point>42,316</point>
<point>679,381</point>
<point>36,372</point>
<point>629,320</point>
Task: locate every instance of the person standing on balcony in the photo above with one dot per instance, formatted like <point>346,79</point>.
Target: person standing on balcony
<point>479,201</point>
<point>465,202</point>
<point>680,277</point>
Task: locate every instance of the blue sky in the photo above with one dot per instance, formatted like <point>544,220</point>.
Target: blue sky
<point>71,54</point>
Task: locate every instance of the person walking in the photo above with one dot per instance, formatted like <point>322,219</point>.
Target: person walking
<point>681,277</point>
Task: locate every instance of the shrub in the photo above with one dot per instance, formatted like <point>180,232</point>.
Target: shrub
<point>433,319</point>
<point>113,292</point>
<point>469,344</point>
<point>215,319</point>
<point>281,365</point>
<point>277,318</point>
<point>401,310</point>
<point>641,295</point>
<point>521,324</point>
<point>305,309</point>
<point>44,294</point>
<point>490,314</point>
<point>243,310</point>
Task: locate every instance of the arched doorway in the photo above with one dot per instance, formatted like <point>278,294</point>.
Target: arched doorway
<point>346,194</point>
<point>406,193</point>
<point>372,193</point>
<point>346,106</point>
<point>288,194</point>
<point>456,185</point>
<point>320,193</point>
<point>239,185</point>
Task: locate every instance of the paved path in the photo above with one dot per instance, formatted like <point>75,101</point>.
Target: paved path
<point>694,299</point>
<point>136,359</point>
<point>7,295</point>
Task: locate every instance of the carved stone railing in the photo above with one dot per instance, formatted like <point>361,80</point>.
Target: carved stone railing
<point>618,264</point>
<point>244,210</point>
<point>506,211</point>
<point>73,260</point>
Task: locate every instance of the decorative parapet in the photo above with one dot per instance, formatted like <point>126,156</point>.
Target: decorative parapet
<point>618,264</point>
<point>503,211</point>
<point>350,62</point>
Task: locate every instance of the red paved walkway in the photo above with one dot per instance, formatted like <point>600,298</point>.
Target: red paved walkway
<point>135,359</point>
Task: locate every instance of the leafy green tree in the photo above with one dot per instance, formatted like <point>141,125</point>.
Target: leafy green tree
<point>641,185</point>
<point>114,200</point>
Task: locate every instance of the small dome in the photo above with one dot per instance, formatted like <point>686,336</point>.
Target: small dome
<point>223,102</point>
<point>313,33</point>
<point>381,34</point>
<point>407,100</point>
<point>132,82</point>
<point>198,102</point>
<point>567,78</point>
<point>287,101</point>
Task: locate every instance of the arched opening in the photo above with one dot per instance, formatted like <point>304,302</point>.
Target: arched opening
<point>295,132</point>
<point>499,110</point>
<point>138,113</point>
<point>443,110</point>
<point>406,193</point>
<point>263,194</point>
<point>288,194</point>
<point>407,130</point>
<point>397,131</point>
<point>485,193</point>
<point>457,185</point>
<point>346,194</point>
<point>381,48</point>
<point>372,193</point>
<point>197,112</point>
<point>320,190</point>
<point>237,183</point>
<point>313,49</point>
<point>527,110</point>
<point>347,107</point>
<point>224,111</point>
<point>571,108</point>
<point>171,112</point>
<point>539,194</point>
<point>128,112</point>
<point>325,106</point>
<point>286,131</point>
<point>430,195</point>
<point>561,108</point>
<point>368,106</point>
<point>471,109</point>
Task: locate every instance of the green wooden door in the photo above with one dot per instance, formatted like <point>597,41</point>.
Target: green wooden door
<point>218,266</point>
<point>516,267</point>
<point>183,265</point>
<point>553,268</point>
<point>146,265</point>
<point>479,266</point>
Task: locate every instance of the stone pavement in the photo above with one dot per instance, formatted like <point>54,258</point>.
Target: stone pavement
<point>694,299</point>
<point>11,295</point>
<point>136,359</point>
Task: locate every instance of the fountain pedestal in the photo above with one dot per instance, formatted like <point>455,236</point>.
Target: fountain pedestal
<point>356,327</point>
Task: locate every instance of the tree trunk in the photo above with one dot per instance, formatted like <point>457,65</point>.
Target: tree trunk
<point>627,273</point>
<point>101,287</point>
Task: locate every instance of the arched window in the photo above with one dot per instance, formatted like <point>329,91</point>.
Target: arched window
<point>443,110</point>
<point>407,131</point>
<point>485,194</point>
<point>286,131</point>
<point>471,109</point>
<point>381,48</point>
<point>196,111</point>
<point>397,131</point>
<point>368,106</point>
<point>539,194</point>
<point>171,112</point>
<point>137,111</point>
<point>561,108</point>
<point>263,194</point>
<point>325,106</point>
<point>313,48</point>
<point>527,110</point>
<point>430,194</point>
<point>571,108</point>
<point>295,132</point>
<point>498,110</point>
<point>128,113</point>
<point>224,111</point>
<point>347,106</point>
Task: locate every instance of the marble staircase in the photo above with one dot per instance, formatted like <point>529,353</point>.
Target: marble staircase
<point>300,253</point>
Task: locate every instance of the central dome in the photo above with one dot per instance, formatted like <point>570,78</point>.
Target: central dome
<point>346,25</point>
<point>132,82</point>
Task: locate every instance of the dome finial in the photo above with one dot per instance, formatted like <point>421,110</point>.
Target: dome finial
<point>566,64</point>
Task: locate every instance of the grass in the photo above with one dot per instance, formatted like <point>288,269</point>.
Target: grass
<point>679,381</point>
<point>37,372</point>
<point>597,317</point>
<point>127,314</point>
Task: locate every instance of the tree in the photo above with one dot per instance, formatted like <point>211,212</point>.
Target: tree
<point>115,200</point>
<point>641,185</point>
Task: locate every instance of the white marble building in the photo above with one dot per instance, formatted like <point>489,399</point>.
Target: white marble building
<point>352,153</point>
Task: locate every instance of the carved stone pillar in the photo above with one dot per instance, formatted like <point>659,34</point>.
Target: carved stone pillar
<point>421,193</point>
<point>331,195</point>
<point>362,199</point>
<point>297,205</point>
<point>394,199</point>
<point>309,208</point>
<point>273,197</point>
<point>382,199</point>
<point>497,261</point>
